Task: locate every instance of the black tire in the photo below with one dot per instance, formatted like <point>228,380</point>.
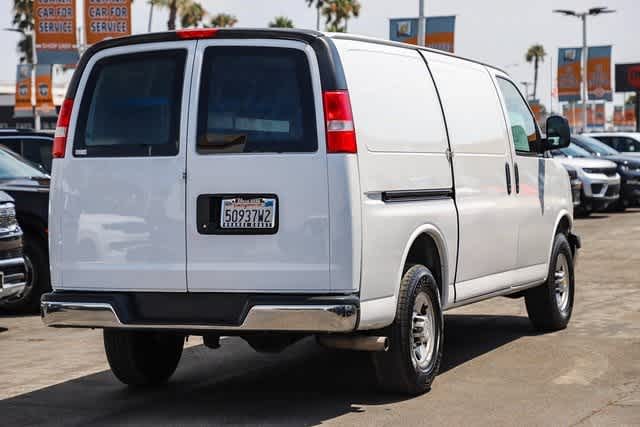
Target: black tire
<point>396,370</point>
<point>142,358</point>
<point>36,259</point>
<point>547,309</point>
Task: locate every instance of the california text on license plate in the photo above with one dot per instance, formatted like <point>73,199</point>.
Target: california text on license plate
<point>248,213</point>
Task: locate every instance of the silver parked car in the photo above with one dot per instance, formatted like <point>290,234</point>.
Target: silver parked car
<point>600,179</point>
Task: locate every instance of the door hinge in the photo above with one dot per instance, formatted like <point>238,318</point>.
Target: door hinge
<point>449,154</point>
<point>184,175</point>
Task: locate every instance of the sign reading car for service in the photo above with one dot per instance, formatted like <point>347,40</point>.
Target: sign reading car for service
<point>55,24</point>
<point>106,19</point>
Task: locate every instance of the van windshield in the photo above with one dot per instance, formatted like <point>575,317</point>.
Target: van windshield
<point>256,99</point>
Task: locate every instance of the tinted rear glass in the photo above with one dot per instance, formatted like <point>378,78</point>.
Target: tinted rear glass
<point>256,100</point>
<point>131,106</point>
<point>38,151</point>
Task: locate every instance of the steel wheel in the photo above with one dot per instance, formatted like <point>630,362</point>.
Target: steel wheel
<point>423,332</point>
<point>561,282</point>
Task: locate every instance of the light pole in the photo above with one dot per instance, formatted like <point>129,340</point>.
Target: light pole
<point>583,17</point>
<point>526,89</point>
<point>421,24</point>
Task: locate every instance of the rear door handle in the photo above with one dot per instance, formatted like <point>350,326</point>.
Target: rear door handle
<point>507,171</point>
<point>517,173</point>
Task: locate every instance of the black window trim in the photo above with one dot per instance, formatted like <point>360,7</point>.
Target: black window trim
<point>202,95</point>
<point>80,150</point>
<point>521,153</point>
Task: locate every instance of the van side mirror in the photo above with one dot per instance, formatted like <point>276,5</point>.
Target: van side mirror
<point>558,134</point>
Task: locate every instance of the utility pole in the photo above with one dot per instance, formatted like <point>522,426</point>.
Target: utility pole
<point>583,59</point>
<point>421,24</point>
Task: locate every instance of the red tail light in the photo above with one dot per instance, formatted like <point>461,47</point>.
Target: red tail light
<point>60,136</point>
<point>341,135</point>
<point>196,33</point>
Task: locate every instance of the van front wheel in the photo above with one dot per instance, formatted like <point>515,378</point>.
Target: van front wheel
<point>550,305</point>
<point>416,335</point>
<point>142,358</point>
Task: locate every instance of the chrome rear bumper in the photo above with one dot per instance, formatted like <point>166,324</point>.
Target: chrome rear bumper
<point>300,318</point>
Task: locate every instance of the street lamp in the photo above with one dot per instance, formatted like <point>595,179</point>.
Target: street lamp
<point>583,17</point>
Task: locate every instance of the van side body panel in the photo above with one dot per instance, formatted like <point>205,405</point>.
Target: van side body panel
<point>481,161</point>
<point>402,145</point>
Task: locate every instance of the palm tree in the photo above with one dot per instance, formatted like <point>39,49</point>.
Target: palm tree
<point>318,5</point>
<point>23,22</point>
<point>223,20</point>
<point>338,13</point>
<point>535,54</point>
<point>281,22</point>
<point>191,14</point>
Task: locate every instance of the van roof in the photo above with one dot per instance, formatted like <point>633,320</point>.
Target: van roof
<point>327,55</point>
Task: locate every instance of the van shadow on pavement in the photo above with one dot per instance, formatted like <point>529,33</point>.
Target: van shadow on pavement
<point>304,385</point>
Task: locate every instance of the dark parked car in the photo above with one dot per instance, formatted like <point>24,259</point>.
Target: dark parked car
<point>29,187</point>
<point>33,146</point>
<point>12,266</point>
<point>628,168</point>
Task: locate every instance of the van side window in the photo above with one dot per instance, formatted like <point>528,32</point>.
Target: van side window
<point>521,122</point>
<point>131,106</point>
<point>256,100</point>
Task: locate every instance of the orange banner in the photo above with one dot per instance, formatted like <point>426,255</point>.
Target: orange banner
<point>55,28</point>
<point>599,72</point>
<point>44,91</point>
<point>618,115</point>
<point>106,19</point>
<point>629,115</point>
<point>600,118</point>
<point>574,114</point>
<point>23,106</point>
<point>569,76</point>
<point>537,110</point>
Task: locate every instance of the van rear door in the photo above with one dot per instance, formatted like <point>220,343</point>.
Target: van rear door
<point>119,192</point>
<point>257,196</point>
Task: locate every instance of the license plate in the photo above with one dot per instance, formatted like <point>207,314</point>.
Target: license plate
<point>248,213</point>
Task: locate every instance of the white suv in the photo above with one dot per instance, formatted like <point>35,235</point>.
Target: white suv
<point>274,184</point>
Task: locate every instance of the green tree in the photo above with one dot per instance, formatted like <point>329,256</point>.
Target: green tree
<point>23,22</point>
<point>223,20</point>
<point>318,6</point>
<point>281,22</point>
<point>338,13</point>
<point>536,55</point>
<point>191,14</point>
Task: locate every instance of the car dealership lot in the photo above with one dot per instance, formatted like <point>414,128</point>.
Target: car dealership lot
<point>496,369</point>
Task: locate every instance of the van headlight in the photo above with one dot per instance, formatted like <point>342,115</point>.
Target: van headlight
<point>8,221</point>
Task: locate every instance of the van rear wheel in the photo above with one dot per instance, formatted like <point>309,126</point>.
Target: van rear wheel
<point>142,358</point>
<point>416,335</point>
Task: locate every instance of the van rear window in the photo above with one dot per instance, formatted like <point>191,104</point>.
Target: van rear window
<point>131,106</point>
<point>256,100</point>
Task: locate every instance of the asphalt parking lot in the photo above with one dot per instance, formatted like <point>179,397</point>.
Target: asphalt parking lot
<point>496,369</point>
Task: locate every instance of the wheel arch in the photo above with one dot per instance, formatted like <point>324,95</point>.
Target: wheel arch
<point>428,246</point>
<point>563,224</point>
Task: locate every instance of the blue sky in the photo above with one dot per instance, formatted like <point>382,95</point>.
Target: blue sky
<point>495,31</point>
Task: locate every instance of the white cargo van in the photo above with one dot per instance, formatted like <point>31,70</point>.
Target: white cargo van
<point>275,184</point>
